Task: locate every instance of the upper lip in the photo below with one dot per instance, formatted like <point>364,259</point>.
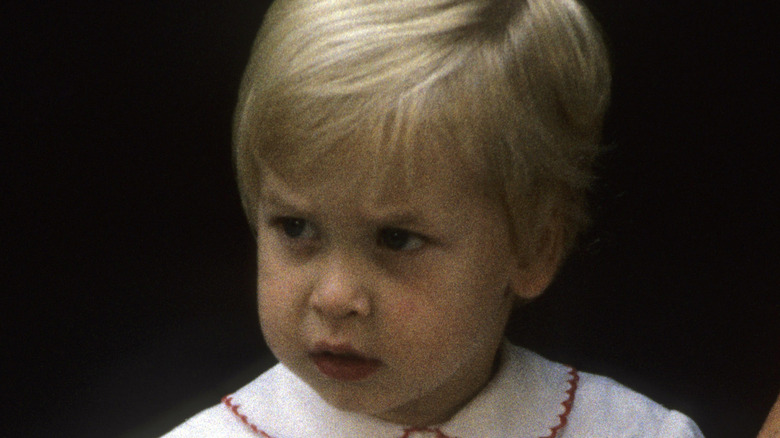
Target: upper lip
<point>339,348</point>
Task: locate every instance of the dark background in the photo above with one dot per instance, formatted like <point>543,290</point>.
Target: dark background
<point>128,268</point>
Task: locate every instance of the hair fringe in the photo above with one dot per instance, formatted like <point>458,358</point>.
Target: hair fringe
<point>517,88</point>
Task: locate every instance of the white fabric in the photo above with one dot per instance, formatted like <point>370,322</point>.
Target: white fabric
<point>525,400</point>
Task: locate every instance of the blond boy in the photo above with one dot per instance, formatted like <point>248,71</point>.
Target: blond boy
<point>414,169</point>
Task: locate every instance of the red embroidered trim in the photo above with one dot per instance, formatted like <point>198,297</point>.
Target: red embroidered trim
<point>567,404</point>
<point>228,401</point>
<point>562,418</point>
<point>408,432</point>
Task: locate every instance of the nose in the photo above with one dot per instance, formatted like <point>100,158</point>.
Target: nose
<point>341,289</point>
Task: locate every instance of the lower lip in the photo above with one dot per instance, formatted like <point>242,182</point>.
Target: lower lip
<point>345,367</point>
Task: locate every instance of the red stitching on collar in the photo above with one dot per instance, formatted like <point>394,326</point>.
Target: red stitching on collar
<point>228,401</point>
<point>567,404</point>
<point>562,418</point>
<point>408,432</point>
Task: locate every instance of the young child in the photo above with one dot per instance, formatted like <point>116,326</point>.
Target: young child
<point>414,169</point>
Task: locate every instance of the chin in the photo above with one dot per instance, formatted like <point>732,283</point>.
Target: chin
<point>349,403</point>
<point>350,400</point>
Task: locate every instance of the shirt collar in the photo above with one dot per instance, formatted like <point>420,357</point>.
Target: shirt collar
<point>528,397</point>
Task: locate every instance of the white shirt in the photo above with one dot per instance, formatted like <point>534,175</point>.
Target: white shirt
<point>529,397</point>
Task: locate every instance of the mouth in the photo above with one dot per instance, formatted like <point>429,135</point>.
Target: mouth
<point>344,363</point>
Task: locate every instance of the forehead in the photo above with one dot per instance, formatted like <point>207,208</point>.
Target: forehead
<point>375,179</point>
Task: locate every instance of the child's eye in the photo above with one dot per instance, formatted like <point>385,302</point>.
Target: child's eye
<point>295,228</point>
<point>397,239</point>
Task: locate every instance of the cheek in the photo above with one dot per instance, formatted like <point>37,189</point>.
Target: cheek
<point>405,309</point>
<point>473,305</point>
<point>279,293</point>
<point>276,288</point>
<point>274,271</point>
<point>429,322</point>
<point>278,313</point>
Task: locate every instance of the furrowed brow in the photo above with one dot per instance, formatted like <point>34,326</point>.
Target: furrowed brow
<point>270,197</point>
<point>403,219</point>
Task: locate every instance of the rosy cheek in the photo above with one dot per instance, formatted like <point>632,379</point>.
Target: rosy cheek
<point>410,321</point>
<point>406,309</point>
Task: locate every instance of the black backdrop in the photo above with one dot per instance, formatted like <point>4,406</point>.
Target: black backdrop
<point>128,268</point>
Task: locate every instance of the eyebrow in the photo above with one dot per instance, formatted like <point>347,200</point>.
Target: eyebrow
<point>278,195</point>
<point>400,218</point>
<point>269,196</point>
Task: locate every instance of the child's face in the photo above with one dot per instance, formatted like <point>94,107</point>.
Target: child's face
<point>393,303</point>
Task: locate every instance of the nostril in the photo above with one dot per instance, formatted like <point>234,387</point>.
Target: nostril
<point>340,290</point>
<point>340,302</point>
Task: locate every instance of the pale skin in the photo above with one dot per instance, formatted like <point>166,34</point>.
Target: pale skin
<point>771,428</point>
<point>421,280</point>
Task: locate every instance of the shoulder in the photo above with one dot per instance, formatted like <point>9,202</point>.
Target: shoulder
<point>605,408</point>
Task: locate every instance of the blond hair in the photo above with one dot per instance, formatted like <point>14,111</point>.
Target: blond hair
<point>518,87</point>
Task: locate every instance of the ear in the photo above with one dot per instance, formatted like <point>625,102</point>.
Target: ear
<point>532,274</point>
